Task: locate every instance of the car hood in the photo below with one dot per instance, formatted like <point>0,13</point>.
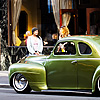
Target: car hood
<point>41,59</point>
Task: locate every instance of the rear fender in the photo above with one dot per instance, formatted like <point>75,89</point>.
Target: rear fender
<point>95,78</point>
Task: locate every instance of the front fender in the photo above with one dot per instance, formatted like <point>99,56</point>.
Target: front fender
<point>34,73</point>
<point>95,78</point>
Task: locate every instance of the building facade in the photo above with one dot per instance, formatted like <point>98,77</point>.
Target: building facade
<point>19,16</point>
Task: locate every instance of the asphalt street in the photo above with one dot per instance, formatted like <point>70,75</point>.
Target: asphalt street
<point>10,94</point>
<point>4,81</point>
<point>4,77</point>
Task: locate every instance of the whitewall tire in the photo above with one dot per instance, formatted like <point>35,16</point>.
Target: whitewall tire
<point>20,84</point>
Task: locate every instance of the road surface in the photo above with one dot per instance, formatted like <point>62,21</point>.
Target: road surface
<point>10,94</point>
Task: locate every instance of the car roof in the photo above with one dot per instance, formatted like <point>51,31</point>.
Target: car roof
<point>89,38</point>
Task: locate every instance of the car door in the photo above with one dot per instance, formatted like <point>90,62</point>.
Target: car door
<point>86,65</point>
<point>61,67</point>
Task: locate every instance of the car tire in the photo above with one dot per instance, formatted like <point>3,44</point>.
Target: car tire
<point>20,84</point>
<point>98,84</point>
<point>97,88</point>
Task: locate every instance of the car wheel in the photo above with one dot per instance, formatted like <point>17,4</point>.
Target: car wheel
<point>97,88</point>
<point>20,84</point>
<point>98,84</point>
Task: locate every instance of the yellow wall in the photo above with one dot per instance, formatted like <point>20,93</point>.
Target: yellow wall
<point>34,13</point>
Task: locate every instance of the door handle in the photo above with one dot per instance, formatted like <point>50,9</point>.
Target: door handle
<point>73,62</point>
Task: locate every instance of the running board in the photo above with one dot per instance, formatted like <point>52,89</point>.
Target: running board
<point>70,91</point>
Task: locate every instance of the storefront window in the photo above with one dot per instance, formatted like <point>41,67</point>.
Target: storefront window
<point>95,23</point>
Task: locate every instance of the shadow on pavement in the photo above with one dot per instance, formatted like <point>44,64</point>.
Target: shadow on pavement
<point>63,94</point>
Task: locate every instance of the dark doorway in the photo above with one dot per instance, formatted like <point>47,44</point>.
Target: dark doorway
<point>93,23</point>
<point>48,24</point>
<point>71,25</point>
<point>82,21</point>
<point>23,21</point>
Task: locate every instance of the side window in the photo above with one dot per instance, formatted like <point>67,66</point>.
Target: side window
<point>84,48</point>
<point>65,48</point>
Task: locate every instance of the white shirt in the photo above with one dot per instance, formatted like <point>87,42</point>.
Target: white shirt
<point>33,45</point>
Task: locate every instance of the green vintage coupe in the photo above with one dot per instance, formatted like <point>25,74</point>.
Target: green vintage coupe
<point>74,64</point>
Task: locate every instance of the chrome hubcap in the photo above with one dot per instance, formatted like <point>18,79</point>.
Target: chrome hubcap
<point>19,82</point>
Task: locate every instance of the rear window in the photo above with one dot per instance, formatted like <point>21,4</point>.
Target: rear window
<point>84,48</point>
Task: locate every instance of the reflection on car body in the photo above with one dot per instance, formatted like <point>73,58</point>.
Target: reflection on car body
<point>73,64</point>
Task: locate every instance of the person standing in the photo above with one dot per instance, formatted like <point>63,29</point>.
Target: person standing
<point>28,33</point>
<point>34,43</point>
<point>63,32</point>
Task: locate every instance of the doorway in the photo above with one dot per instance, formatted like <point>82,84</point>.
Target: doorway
<point>23,22</point>
<point>93,18</point>
<point>73,24</point>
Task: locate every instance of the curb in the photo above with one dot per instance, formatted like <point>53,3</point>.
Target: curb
<point>5,86</point>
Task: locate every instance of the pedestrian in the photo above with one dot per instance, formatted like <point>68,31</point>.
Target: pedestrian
<point>34,43</point>
<point>64,32</point>
<point>28,33</point>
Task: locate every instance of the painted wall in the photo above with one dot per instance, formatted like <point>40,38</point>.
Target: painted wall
<point>32,8</point>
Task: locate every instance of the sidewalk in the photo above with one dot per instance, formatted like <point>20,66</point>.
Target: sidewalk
<point>4,81</point>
